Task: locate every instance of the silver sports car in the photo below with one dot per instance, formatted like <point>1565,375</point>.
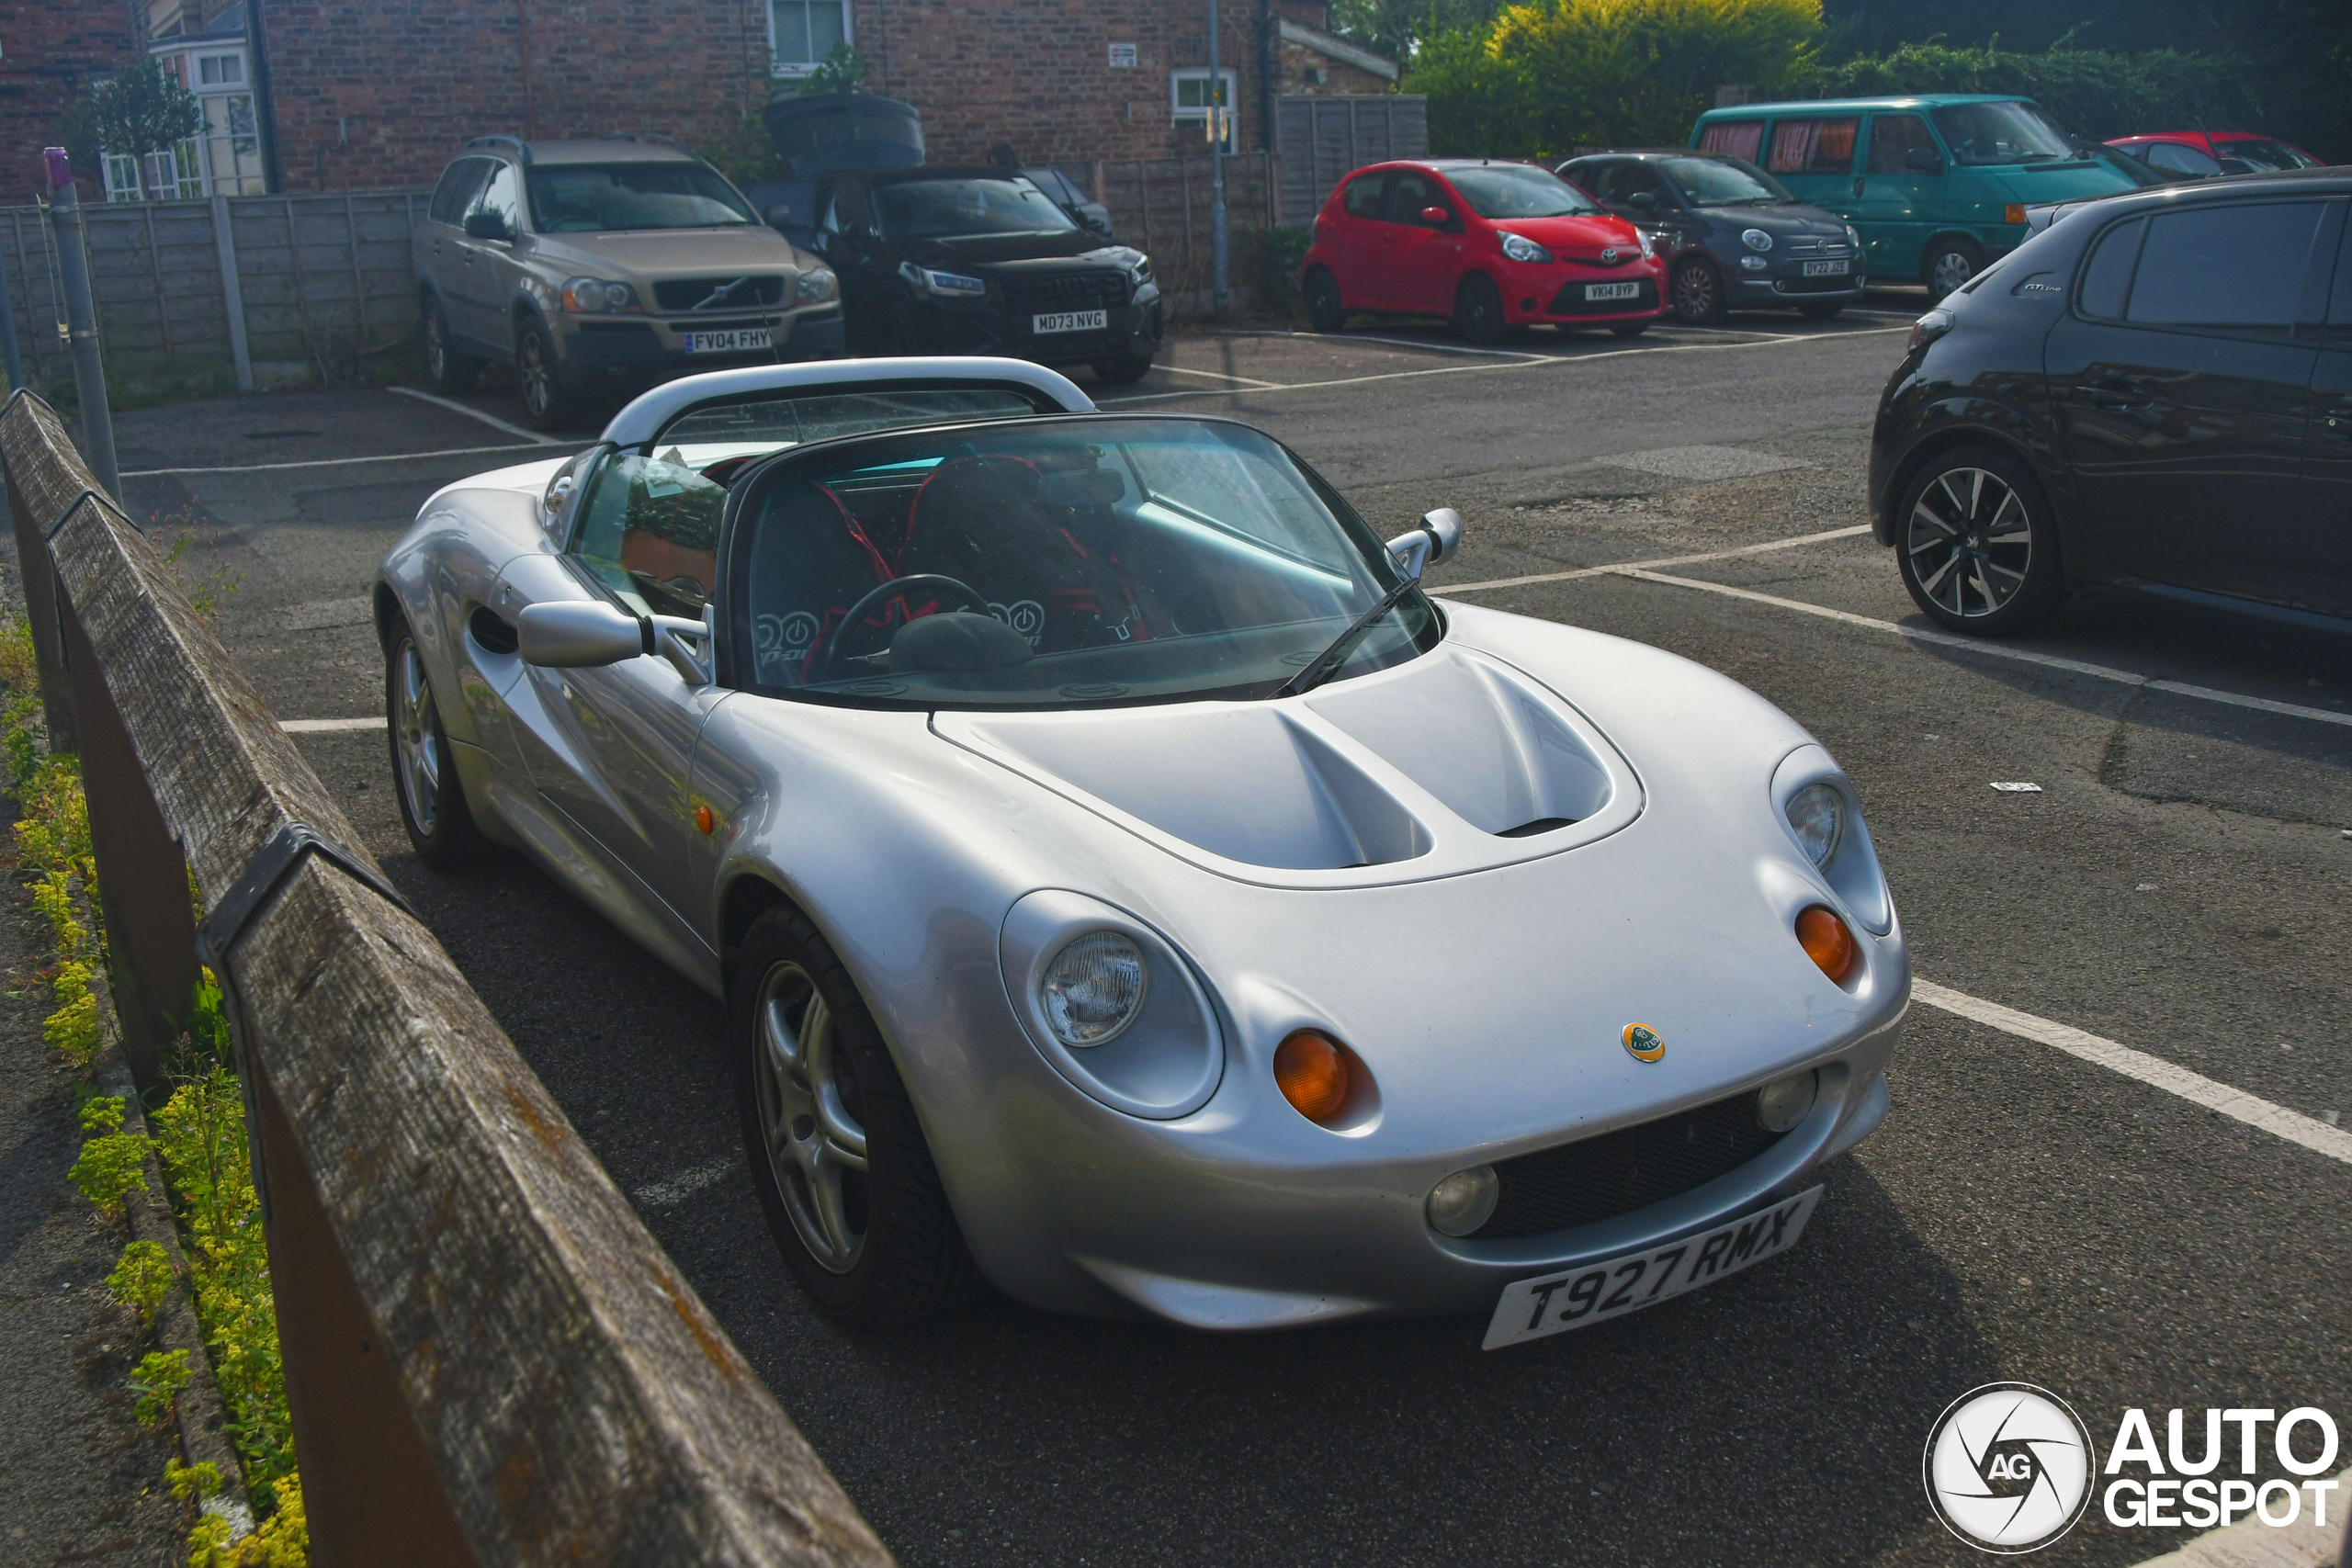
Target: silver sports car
<point>1126,885</point>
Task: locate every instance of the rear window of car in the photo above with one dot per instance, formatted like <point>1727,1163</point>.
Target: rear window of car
<point>2264,252</point>
<point>1812,146</point>
<point>2107,281</point>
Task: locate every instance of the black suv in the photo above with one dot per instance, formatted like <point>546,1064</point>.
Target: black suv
<point>943,260</point>
<point>2154,393</point>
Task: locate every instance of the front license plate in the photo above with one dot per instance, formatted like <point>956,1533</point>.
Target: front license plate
<point>1553,1303</point>
<point>1612,292</point>
<point>1070,322</point>
<point>1827,269</point>
<point>741,340</point>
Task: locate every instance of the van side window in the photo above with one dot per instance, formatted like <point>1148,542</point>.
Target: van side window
<point>2263,250</point>
<point>1893,138</point>
<point>2107,281</point>
<point>1740,137</point>
<point>1813,146</point>
<point>1363,197</point>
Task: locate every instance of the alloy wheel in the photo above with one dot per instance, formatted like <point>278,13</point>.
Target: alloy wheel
<point>1694,292</point>
<point>1970,542</point>
<point>1952,268</point>
<point>816,1148</point>
<point>416,729</point>
<point>532,370</point>
<point>436,346</point>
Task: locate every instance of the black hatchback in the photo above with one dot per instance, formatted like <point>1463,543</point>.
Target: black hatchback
<point>1734,238</point>
<point>2155,393</point>
<point>943,260</point>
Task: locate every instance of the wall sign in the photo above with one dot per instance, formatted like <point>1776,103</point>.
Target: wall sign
<point>1123,57</point>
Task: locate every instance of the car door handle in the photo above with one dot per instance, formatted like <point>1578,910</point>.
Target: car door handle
<point>1858,186</point>
<point>2118,397</point>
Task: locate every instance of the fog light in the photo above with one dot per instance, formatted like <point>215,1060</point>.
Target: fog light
<point>1312,1072</point>
<point>1827,942</point>
<point>1780,1105</point>
<point>1753,263</point>
<point>1463,1202</point>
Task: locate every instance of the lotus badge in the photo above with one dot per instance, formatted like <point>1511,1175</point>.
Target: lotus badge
<point>1643,1043</point>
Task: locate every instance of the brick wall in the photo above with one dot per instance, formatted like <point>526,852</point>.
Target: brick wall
<point>52,46</point>
<point>377,96</point>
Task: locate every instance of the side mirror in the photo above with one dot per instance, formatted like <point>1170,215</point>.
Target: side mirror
<point>1436,217</point>
<point>2236,166</point>
<point>577,634</point>
<point>1923,160</point>
<point>485,226</point>
<point>1438,537</point>
<point>1645,199</point>
<point>777,216</point>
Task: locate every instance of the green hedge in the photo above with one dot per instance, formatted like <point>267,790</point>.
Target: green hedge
<point>2091,92</point>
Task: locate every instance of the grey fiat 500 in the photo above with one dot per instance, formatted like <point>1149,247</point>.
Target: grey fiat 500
<point>1738,239</point>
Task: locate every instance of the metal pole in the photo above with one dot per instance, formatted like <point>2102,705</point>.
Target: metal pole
<point>81,321</point>
<point>16,361</point>
<point>1218,112</point>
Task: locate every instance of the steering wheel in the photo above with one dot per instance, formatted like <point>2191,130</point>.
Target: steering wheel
<point>824,667</point>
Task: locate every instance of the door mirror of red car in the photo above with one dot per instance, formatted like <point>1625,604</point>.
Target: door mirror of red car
<point>1436,217</point>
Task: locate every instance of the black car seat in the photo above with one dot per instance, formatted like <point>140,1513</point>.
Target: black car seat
<point>982,520</point>
<point>810,563</point>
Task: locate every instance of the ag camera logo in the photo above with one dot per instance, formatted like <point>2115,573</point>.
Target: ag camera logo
<point>2008,1467</point>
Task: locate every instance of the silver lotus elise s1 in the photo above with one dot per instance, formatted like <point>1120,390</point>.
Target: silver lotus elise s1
<point>1126,885</point>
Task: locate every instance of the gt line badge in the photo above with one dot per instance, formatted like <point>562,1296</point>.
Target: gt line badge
<point>1643,1043</point>
<point>2008,1467</point>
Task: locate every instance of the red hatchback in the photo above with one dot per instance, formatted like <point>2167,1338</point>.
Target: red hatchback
<point>1495,246</point>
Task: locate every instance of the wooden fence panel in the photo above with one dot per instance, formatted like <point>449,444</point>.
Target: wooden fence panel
<point>1322,140</point>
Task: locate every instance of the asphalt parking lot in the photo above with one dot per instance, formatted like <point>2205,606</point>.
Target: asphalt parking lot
<point>2176,885</point>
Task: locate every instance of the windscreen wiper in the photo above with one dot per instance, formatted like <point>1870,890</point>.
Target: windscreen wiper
<point>1328,663</point>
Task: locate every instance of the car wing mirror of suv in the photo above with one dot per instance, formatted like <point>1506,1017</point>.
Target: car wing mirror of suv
<point>486,226</point>
<point>1645,199</point>
<point>779,215</point>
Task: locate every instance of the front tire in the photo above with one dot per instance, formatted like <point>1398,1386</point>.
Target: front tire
<point>1325,313</point>
<point>546,405</point>
<point>424,774</point>
<point>1124,369</point>
<point>1976,543</point>
<point>1478,311</point>
<point>1950,263</point>
<point>837,1155</point>
<point>1696,292</point>
<point>451,371</point>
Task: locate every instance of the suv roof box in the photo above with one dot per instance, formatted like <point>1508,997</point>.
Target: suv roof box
<point>823,132</point>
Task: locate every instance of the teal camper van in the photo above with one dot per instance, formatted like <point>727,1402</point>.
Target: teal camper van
<point>1937,186</point>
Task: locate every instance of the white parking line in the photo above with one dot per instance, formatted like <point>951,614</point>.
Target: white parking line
<point>1625,567</point>
<point>2292,1125</point>
<point>328,726</point>
<point>1991,650</point>
<point>1532,362</point>
<point>332,462</point>
<point>685,1184</point>
<point>1214,375</point>
<point>471,413</point>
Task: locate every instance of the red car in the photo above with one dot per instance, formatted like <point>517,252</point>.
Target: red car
<point>2196,154</point>
<point>1495,246</point>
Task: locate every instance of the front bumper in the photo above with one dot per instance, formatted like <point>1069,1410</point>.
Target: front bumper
<point>985,326</point>
<point>1242,1216</point>
<point>1556,292</point>
<point>601,354</point>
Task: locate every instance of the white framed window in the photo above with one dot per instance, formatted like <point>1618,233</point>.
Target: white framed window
<point>1189,98</point>
<point>801,33</point>
<point>221,70</point>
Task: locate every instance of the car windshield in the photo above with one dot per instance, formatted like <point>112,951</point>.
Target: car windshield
<point>2265,156</point>
<point>939,210</point>
<point>1515,190</point>
<point>1722,182</point>
<point>570,198</point>
<point>2001,133</point>
<point>1057,562</point>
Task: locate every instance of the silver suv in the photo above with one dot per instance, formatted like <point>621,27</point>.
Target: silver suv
<point>597,267</point>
